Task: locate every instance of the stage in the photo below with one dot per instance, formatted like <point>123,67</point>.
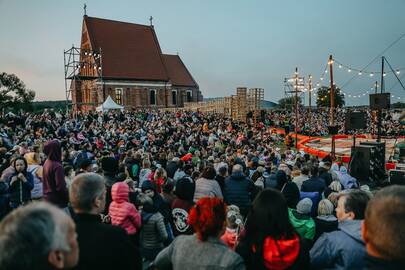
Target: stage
<point>322,146</point>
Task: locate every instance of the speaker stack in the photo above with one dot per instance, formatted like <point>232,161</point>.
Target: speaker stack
<point>355,120</point>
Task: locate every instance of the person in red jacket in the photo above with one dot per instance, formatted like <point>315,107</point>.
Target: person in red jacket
<point>54,184</point>
<point>269,240</point>
<point>122,212</point>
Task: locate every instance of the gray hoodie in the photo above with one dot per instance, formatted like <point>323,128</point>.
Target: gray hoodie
<point>341,249</point>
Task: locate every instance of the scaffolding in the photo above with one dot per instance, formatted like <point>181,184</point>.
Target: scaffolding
<point>255,99</point>
<point>82,66</point>
<point>236,106</point>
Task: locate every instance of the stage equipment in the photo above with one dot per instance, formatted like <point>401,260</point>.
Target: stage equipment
<point>380,101</point>
<point>355,120</point>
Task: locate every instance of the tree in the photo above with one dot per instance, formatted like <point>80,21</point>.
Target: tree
<point>288,102</point>
<point>323,99</point>
<point>398,105</point>
<point>13,93</point>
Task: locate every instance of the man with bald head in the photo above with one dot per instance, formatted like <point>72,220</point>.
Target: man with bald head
<point>38,236</point>
<point>383,229</point>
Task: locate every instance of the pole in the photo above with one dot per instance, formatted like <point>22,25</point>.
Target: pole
<point>309,95</point>
<point>296,108</point>
<point>332,104</point>
<point>379,119</point>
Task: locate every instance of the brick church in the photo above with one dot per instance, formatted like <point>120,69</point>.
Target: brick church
<point>130,67</point>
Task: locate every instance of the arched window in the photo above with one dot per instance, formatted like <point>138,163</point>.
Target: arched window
<point>174,97</point>
<point>189,96</point>
<point>152,97</point>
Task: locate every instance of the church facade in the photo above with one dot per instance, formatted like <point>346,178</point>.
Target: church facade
<point>125,61</point>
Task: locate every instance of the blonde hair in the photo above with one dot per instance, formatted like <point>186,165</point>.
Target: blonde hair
<point>336,186</point>
<point>333,198</point>
<point>325,208</point>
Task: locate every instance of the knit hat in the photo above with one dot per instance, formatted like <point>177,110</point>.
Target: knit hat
<point>304,206</point>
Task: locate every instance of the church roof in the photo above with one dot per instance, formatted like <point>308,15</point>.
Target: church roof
<point>129,51</point>
<point>132,51</point>
<point>178,72</point>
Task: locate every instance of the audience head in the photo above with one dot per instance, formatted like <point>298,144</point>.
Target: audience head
<point>383,228</point>
<point>352,205</point>
<point>268,217</point>
<point>304,206</point>
<point>209,172</point>
<point>87,193</point>
<point>304,170</point>
<point>233,217</point>
<point>207,217</point>
<point>325,208</point>
<point>38,236</point>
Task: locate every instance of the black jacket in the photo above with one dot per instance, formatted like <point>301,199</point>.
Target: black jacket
<point>322,225</point>
<point>313,184</point>
<point>291,194</point>
<point>104,246</point>
<point>238,191</point>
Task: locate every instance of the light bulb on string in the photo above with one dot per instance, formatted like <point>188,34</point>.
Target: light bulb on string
<point>360,73</point>
<point>398,72</point>
<point>384,74</point>
<point>340,66</point>
<point>371,74</point>
<point>349,70</point>
<point>321,79</point>
<point>326,71</point>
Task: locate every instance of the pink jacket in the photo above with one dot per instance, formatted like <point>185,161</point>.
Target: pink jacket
<point>123,213</point>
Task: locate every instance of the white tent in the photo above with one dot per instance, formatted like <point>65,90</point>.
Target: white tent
<point>109,104</point>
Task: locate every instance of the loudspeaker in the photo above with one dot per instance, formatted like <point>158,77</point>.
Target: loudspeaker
<point>333,130</point>
<point>355,120</point>
<point>397,177</point>
<point>359,165</point>
<point>368,162</point>
<point>380,101</point>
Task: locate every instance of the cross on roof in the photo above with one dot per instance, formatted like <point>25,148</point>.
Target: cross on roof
<point>151,20</point>
<point>85,9</point>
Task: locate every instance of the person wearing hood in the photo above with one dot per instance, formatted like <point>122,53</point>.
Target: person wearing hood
<point>269,240</point>
<point>181,206</point>
<point>20,184</point>
<point>346,179</point>
<point>34,167</point>
<point>238,190</point>
<point>301,219</point>
<point>325,221</point>
<point>54,185</point>
<point>288,188</point>
<point>153,233</point>
<point>344,248</point>
<point>122,212</point>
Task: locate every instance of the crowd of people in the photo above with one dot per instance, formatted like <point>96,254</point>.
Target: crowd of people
<point>316,122</point>
<point>183,190</point>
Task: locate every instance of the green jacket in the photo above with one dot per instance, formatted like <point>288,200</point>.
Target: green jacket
<point>303,224</point>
